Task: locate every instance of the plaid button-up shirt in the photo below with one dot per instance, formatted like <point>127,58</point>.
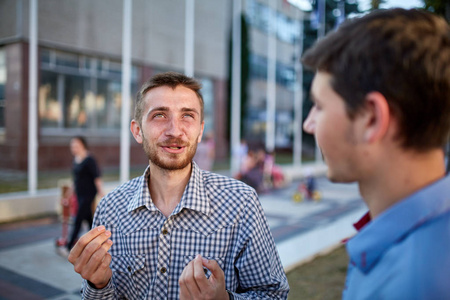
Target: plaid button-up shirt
<point>218,217</point>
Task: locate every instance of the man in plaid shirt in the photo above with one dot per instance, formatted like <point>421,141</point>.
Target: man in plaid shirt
<point>178,232</point>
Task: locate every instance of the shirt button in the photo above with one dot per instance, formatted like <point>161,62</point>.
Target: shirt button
<point>164,231</point>
<point>163,270</point>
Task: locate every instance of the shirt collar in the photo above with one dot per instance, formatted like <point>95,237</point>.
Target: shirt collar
<point>194,196</point>
<point>142,195</point>
<point>362,222</point>
<point>397,222</point>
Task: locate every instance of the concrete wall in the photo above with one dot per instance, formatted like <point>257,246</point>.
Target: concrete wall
<point>158,30</point>
<point>94,28</point>
<point>16,206</point>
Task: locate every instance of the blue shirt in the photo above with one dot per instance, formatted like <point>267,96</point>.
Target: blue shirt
<point>404,253</point>
<point>218,217</point>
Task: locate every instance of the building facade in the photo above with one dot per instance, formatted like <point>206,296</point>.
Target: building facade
<point>79,80</point>
<point>79,71</point>
<point>283,22</point>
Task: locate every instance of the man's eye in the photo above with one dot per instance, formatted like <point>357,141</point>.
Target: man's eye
<point>156,116</point>
<point>188,116</point>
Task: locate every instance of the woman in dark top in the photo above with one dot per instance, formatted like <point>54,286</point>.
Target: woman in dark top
<point>87,184</point>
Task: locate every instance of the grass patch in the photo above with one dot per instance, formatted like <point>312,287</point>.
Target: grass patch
<point>322,278</point>
<point>17,181</point>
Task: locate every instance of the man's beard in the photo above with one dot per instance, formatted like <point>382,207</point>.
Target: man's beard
<point>167,163</point>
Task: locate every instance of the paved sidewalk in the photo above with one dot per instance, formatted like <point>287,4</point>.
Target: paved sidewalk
<point>31,269</point>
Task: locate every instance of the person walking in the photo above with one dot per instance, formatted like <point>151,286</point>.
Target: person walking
<point>87,185</point>
<point>178,232</point>
<point>381,118</point>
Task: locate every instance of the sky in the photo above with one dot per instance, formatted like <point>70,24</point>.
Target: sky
<point>365,4</point>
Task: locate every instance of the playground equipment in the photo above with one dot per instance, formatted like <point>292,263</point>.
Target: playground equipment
<point>306,190</point>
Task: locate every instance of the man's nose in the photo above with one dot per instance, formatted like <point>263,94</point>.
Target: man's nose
<point>174,127</point>
<point>309,125</point>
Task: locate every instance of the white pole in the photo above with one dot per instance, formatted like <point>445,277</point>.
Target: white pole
<point>298,96</point>
<point>236,88</point>
<point>126,80</point>
<point>189,39</point>
<point>32,100</point>
<point>271,79</point>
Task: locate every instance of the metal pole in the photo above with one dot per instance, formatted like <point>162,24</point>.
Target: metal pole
<point>321,11</point>
<point>236,88</point>
<point>126,80</point>
<point>189,39</point>
<point>271,79</point>
<point>298,96</point>
<point>32,100</point>
<point>19,18</point>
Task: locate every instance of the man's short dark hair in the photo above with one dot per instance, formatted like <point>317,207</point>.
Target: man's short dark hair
<point>170,79</point>
<point>82,140</point>
<point>404,55</point>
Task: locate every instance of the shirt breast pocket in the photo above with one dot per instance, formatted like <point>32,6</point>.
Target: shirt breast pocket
<point>219,260</point>
<point>129,275</point>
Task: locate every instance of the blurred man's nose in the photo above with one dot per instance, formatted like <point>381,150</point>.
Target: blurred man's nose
<point>309,125</point>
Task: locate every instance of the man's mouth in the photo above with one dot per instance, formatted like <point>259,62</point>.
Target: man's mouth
<point>174,148</point>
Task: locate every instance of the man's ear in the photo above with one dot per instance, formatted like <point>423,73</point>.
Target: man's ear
<point>136,131</point>
<point>376,118</point>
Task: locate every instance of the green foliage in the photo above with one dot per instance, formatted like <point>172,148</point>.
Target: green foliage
<point>310,37</point>
<point>439,7</point>
<point>245,75</point>
<point>245,70</point>
<point>375,4</point>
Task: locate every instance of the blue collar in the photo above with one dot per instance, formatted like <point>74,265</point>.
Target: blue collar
<point>397,222</point>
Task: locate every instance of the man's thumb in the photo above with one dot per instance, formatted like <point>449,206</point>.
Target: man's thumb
<point>213,266</point>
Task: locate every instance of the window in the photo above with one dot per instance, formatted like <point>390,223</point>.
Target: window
<point>50,105</point>
<point>80,92</point>
<point>258,16</point>
<point>285,75</point>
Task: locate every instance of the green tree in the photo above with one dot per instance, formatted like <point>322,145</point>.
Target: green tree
<point>310,36</point>
<point>439,7</point>
<point>245,73</point>
<point>375,4</point>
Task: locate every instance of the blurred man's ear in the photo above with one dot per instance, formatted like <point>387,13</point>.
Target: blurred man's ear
<point>201,133</point>
<point>136,131</point>
<point>376,117</point>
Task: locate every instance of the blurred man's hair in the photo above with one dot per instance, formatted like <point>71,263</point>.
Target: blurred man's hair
<point>170,79</point>
<point>404,55</point>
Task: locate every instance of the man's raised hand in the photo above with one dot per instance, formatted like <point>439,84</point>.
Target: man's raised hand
<point>90,257</point>
<point>195,285</point>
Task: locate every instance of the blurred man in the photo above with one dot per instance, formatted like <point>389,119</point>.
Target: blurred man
<point>178,232</point>
<point>381,117</point>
